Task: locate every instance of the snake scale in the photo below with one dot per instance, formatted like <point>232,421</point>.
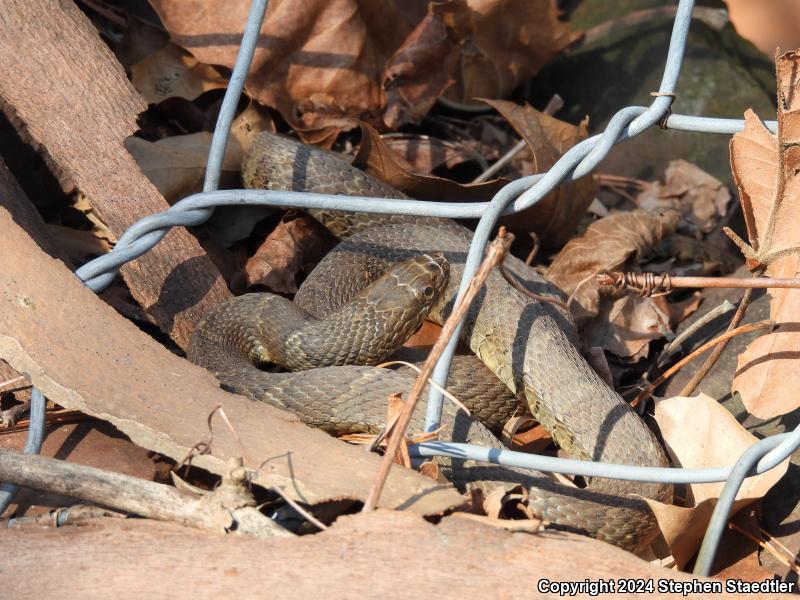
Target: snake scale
<point>526,343</point>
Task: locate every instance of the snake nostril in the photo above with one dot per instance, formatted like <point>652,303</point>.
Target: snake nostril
<point>427,291</point>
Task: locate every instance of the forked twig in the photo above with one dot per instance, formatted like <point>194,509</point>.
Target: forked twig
<point>687,359</point>
<point>497,251</point>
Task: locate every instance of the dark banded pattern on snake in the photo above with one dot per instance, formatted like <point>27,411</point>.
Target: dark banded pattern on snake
<point>526,344</point>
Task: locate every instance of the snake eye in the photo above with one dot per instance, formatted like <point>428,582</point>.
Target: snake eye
<point>427,291</point>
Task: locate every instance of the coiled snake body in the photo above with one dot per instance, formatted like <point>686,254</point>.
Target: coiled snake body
<point>521,340</point>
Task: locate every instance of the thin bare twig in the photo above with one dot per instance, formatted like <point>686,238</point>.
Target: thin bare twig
<point>443,390</point>
<point>497,251</point>
<point>712,359</point>
<point>512,281</point>
<point>535,250</point>
<point>772,539</point>
<point>670,348</point>
<point>765,544</point>
<point>687,359</point>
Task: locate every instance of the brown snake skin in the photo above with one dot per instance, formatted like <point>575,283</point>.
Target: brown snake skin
<point>525,343</point>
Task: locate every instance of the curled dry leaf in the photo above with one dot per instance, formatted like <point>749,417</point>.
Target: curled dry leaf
<point>423,67</point>
<point>171,72</point>
<point>700,433</point>
<point>99,228</point>
<point>513,39</point>
<point>554,218</point>
<point>625,326</point>
<point>511,503</point>
<point>320,65</point>
<point>288,250</point>
<point>700,198</point>
<point>177,165</point>
<point>609,244</point>
<point>766,169</point>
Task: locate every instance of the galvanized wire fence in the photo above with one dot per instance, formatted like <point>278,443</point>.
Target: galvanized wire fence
<point>514,197</point>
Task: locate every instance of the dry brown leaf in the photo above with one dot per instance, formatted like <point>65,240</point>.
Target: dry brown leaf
<point>247,125</point>
<point>377,159</point>
<point>171,72</point>
<point>608,244</point>
<point>513,39</point>
<point>555,217</point>
<point>700,433</point>
<point>523,434</point>
<point>625,326</point>
<point>679,311</point>
<point>766,169</point>
<point>291,247</point>
<point>177,165</point>
<point>322,67</point>
<point>424,153</point>
<point>423,67</point>
<point>99,228</point>
<point>699,197</point>
<point>511,503</point>
<point>425,336</point>
<point>430,468</point>
<point>319,65</point>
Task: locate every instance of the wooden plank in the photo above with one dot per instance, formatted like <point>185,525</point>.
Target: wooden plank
<point>85,356</point>
<point>63,85</point>
<point>380,555</point>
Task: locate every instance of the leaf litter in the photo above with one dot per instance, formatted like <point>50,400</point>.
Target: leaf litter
<point>765,169</point>
<point>339,65</point>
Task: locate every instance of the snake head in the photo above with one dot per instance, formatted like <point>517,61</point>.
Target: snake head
<point>412,287</point>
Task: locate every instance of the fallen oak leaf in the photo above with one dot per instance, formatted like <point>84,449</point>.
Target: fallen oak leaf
<point>700,433</point>
<point>765,168</point>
